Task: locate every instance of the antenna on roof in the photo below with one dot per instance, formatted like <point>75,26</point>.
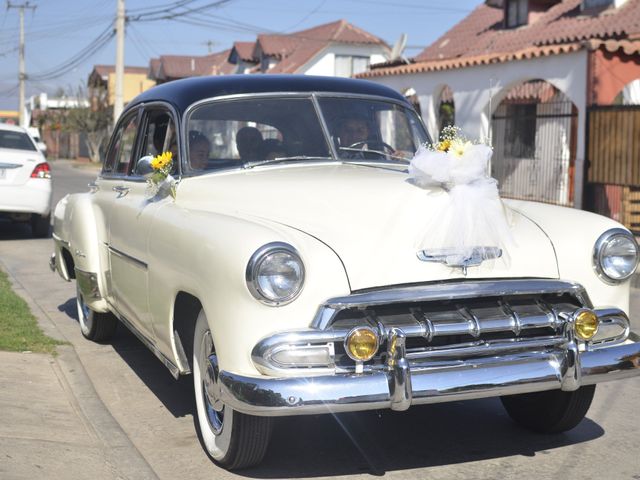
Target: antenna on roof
<point>398,48</point>
<point>209,44</point>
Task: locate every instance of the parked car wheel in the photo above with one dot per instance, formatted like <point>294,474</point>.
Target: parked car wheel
<point>554,411</point>
<point>232,439</point>
<point>40,225</point>
<point>95,326</point>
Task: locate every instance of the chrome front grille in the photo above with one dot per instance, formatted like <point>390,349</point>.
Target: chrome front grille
<point>461,327</point>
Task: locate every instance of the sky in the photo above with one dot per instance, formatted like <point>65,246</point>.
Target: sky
<point>65,38</point>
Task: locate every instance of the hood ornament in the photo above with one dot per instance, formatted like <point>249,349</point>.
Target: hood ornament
<point>460,258</point>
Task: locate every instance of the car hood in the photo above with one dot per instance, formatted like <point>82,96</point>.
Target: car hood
<point>371,216</point>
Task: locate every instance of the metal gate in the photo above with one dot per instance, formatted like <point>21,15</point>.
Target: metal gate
<point>534,150</point>
<point>613,149</point>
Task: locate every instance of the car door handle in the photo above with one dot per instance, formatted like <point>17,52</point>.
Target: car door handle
<point>121,190</point>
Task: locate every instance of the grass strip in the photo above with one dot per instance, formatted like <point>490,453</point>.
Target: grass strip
<point>19,330</point>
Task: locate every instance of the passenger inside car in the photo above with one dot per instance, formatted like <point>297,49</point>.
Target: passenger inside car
<point>250,144</point>
<point>199,148</point>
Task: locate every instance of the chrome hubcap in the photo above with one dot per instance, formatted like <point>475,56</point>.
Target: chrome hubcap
<point>210,388</point>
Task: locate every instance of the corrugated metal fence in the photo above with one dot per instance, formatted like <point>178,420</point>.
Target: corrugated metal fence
<point>613,156</point>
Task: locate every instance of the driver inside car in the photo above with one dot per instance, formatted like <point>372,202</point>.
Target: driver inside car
<point>353,132</point>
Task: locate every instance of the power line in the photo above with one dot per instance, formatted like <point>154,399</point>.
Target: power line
<point>165,14</point>
<point>96,45</point>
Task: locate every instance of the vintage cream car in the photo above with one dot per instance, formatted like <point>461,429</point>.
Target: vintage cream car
<point>284,275</point>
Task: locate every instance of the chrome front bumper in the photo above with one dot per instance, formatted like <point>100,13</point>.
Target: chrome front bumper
<point>398,386</point>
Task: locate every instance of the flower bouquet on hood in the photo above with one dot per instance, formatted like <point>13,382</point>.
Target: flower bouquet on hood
<point>474,217</point>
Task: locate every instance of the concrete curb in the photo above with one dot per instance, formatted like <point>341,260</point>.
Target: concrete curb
<point>120,453</point>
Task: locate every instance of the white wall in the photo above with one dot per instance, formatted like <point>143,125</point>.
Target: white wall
<point>324,62</point>
<point>474,88</point>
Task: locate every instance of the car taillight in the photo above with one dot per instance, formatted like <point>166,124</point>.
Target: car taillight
<point>42,170</point>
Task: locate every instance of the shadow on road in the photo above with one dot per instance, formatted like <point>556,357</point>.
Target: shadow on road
<point>15,231</point>
<point>424,436</point>
<point>177,396</point>
<point>366,442</point>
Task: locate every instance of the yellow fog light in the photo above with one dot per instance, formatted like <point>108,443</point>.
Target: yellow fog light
<point>361,344</point>
<point>586,324</point>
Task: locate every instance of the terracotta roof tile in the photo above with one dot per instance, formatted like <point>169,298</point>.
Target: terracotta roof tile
<point>481,32</point>
<point>298,48</point>
<point>468,61</point>
<point>182,66</point>
<point>245,50</point>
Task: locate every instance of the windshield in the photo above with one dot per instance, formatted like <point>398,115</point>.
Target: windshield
<point>16,140</point>
<point>372,129</point>
<point>255,131</point>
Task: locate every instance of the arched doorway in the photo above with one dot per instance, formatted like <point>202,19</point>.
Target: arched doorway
<point>446,109</point>
<point>534,134</point>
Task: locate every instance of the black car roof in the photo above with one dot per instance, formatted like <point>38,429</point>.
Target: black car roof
<point>182,93</point>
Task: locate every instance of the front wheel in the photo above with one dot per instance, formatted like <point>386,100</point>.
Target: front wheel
<point>553,411</point>
<point>233,439</point>
<point>95,326</point>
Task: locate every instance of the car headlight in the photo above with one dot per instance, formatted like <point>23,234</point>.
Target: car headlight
<point>615,255</point>
<point>275,274</point>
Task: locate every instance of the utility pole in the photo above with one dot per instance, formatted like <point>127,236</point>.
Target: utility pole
<point>118,104</point>
<point>21,70</point>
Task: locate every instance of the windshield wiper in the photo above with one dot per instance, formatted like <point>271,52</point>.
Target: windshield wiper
<point>368,150</point>
<point>258,163</point>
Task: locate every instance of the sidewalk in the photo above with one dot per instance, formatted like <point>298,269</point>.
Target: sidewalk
<point>53,424</point>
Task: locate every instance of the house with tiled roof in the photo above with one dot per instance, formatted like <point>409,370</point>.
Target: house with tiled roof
<point>173,67</point>
<point>102,84</point>
<point>528,75</point>
<point>335,49</point>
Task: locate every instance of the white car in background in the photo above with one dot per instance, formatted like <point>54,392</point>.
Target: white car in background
<point>35,134</point>
<point>25,180</point>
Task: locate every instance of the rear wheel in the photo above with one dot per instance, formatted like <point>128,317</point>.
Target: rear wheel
<point>40,225</point>
<point>232,439</point>
<point>95,326</point>
<point>553,411</point>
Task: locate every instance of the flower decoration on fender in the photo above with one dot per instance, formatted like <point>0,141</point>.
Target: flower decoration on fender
<point>159,179</point>
<point>473,224</point>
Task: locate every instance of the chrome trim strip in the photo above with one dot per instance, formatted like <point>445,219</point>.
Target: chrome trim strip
<point>477,378</point>
<point>447,291</point>
<point>60,240</point>
<point>175,371</point>
<point>9,166</point>
<point>88,284</point>
<point>129,258</point>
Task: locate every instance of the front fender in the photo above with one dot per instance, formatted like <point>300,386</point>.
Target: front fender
<point>573,234</point>
<point>206,254</point>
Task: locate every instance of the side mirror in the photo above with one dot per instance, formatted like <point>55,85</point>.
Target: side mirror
<point>143,167</point>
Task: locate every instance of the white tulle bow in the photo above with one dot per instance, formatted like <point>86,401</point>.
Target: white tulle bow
<point>474,216</point>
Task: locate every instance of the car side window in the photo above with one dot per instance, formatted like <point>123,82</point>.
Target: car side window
<point>159,134</point>
<point>119,155</point>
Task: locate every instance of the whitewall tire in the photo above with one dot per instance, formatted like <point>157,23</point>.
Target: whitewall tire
<point>95,326</point>
<point>232,439</point>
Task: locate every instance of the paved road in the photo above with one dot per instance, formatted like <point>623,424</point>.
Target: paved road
<point>471,439</point>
